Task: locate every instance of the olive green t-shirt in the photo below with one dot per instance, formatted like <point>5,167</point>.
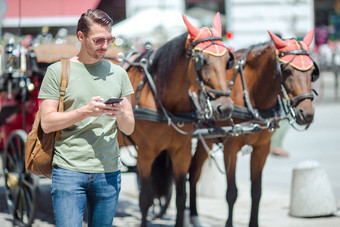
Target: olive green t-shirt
<point>90,145</point>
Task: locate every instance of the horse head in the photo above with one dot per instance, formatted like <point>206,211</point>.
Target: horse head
<point>210,57</point>
<point>296,71</point>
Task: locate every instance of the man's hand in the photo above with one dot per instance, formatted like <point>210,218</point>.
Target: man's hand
<point>95,107</point>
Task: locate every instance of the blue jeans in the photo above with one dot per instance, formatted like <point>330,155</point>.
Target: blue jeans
<point>72,190</point>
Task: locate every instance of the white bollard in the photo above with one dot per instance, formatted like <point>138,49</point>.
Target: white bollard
<point>212,182</point>
<point>311,192</point>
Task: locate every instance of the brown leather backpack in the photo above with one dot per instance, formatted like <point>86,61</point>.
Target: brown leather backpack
<point>39,146</point>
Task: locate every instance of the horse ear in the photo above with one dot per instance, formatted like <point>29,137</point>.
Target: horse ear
<point>192,30</point>
<point>279,43</point>
<point>309,37</point>
<point>217,23</point>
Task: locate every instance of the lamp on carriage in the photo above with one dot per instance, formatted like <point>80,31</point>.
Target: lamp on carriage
<point>30,87</point>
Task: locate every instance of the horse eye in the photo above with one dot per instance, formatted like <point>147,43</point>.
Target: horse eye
<point>287,72</point>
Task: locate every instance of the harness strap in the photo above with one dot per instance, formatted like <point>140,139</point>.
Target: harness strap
<point>162,115</point>
<point>143,113</point>
<point>212,38</point>
<point>248,112</point>
<point>218,92</point>
<point>295,100</point>
<point>294,52</point>
<point>239,70</point>
<point>241,112</point>
<point>138,92</point>
<point>240,65</point>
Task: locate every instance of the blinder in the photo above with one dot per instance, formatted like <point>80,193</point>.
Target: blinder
<point>231,61</point>
<point>278,72</point>
<point>316,72</point>
<point>198,60</point>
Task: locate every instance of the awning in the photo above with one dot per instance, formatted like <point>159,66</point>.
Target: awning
<point>152,22</point>
<point>37,13</point>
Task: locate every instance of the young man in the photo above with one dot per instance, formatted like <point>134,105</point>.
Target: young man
<point>86,162</point>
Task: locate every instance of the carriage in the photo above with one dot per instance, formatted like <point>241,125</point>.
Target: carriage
<point>20,82</point>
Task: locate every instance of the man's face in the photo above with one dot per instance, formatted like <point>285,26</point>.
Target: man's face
<point>98,40</point>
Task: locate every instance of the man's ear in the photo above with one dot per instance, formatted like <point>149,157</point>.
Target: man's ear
<point>80,36</point>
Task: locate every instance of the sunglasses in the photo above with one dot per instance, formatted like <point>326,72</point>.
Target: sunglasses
<point>101,41</point>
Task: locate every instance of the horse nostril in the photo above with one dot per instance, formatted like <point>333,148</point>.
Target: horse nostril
<point>309,117</point>
<point>223,106</point>
<point>306,117</point>
<point>219,109</point>
<point>222,109</point>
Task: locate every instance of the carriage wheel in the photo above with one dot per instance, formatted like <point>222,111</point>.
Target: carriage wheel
<point>20,186</point>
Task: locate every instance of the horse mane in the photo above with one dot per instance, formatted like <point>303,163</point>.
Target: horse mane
<point>165,59</point>
<point>254,51</point>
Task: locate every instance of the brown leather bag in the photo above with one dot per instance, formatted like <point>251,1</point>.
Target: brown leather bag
<point>39,147</point>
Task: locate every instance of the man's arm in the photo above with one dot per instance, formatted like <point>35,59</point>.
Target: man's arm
<point>52,120</point>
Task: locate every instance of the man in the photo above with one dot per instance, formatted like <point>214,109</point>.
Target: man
<point>86,162</point>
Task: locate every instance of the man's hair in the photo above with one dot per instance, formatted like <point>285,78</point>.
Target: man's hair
<point>93,16</point>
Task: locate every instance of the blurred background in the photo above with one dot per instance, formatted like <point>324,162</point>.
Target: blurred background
<point>137,21</point>
<point>48,29</point>
<point>244,22</point>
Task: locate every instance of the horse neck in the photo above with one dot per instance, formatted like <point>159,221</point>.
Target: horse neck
<point>174,94</point>
<point>263,87</point>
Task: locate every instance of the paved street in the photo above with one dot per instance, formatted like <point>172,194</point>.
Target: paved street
<point>320,143</point>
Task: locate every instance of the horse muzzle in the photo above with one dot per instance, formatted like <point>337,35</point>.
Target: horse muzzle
<point>304,112</point>
<point>222,108</point>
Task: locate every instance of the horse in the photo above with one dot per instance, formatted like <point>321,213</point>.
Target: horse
<point>264,72</point>
<point>165,112</point>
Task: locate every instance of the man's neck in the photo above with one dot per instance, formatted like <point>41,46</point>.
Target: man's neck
<point>79,59</point>
<point>83,57</point>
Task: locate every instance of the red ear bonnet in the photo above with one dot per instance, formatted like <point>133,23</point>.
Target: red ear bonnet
<point>217,25</point>
<point>299,61</point>
<point>309,37</point>
<point>192,30</point>
<point>213,47</point>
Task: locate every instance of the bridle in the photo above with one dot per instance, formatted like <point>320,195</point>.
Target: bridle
<point>292,103</point>
<point>199,62</point>
<point>315,75</point>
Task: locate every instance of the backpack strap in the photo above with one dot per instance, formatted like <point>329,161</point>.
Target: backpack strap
<point>64,78</point>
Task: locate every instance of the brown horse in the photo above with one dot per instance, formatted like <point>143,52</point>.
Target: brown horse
<point>264,71</point>
<point>165,113</point>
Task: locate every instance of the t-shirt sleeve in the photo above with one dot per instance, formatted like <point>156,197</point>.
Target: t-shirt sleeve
<point>127,88</point>
<point>51,83</point>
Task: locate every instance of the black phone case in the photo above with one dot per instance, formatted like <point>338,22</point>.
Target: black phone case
<point>113,100</point>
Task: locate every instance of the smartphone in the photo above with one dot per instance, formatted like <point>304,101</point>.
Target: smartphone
<point>113,100</point>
